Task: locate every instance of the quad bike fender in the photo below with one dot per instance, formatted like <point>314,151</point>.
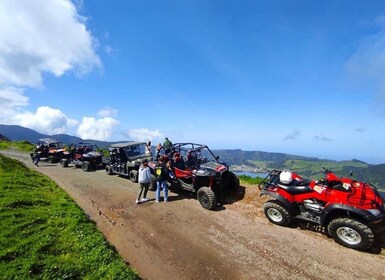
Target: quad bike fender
<point>333,210</point>
<point>289,206</point>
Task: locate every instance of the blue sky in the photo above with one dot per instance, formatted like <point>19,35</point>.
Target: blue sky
<point>298,77</point>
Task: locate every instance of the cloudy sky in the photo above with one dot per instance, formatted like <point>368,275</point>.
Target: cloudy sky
<point>300,77</point>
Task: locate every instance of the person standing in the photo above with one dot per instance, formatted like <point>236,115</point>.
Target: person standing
<point>167,145</point>
<point>148,149</point>
<point>144,181</point>
<point>161,174</point>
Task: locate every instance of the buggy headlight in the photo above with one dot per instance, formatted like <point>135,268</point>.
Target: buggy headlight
<point>375,212</point>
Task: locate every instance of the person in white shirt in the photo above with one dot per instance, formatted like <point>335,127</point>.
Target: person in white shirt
<point>144,181</point>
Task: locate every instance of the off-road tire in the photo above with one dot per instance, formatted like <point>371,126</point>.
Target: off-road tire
<point>276,213</point>
<point>86,166</point>
<point>152,183</point>
<point>133,175</point>
<point>233,183</point>
<point>351,233</point>
<point>108,169</point>
<point>64,162</point>
<point>207,198</point>
<point>50,159</point>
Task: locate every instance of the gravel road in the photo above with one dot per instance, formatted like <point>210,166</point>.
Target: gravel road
<point>182,240</point>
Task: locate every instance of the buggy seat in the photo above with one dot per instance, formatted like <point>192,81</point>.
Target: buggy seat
<point>179,173</point>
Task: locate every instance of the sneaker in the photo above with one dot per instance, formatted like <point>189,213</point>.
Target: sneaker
<point>137,201</point>
<point>166,200</point>
<point>143,199</point>
<point>156,200</point>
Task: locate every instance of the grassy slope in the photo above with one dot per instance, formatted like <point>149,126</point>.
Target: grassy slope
<point>45,235</point>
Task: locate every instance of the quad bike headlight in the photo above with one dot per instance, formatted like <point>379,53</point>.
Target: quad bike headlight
<point>375,212</point>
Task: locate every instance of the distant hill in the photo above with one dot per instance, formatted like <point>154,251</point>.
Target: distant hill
<point>3,138</point>
<point>19,133</point>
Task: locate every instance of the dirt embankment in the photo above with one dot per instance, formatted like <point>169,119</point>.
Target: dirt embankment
<point>181,240</point>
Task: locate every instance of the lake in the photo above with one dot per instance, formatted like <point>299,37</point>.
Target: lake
<point>251,174</point>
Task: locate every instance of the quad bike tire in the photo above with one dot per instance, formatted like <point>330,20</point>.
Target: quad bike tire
<point>108,169</point>
<point>64,162</point>
<point>152,183</point>
<point>351,233</point>
<point>86,166</point>
<point>276,213</point>
<point>133,175</point>
<point>207,198</point>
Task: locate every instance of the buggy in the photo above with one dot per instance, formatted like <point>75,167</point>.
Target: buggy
<point>125,158</point>
<point>196,169</point>
<point>85,155</point>
<point>50,149</point>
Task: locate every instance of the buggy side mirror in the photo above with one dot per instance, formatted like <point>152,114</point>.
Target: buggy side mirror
<point>217,157</point>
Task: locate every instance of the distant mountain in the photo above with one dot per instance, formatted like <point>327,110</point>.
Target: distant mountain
<point>3,138</point>
<point>19,133</point>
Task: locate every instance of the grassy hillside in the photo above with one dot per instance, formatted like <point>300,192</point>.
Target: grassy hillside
<point>45,235</point>
<point>23,146</point>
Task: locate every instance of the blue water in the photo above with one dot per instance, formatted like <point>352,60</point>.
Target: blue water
<point>250,174</point>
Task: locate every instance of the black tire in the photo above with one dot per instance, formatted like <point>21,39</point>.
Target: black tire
<point>108,169</point>
<point>233,183</point>
<point>207,198</point>
<point>86,166</point>
<point>276,213</point>
<point>64,162</point>
<point>133,175</point>
<point>50,159</point>
<point>351,233</point>
<point>153,183</point>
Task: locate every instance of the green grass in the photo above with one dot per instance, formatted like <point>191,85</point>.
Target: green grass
<point>250,180</point>
<point>23,146</point>
<point>45,235</point>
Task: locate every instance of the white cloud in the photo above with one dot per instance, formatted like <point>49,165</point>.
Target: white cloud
<point>293,135</point>
<point>97,129</point>
<point>107,112</point>
<point>39,37</point>
<point>144,134</point>
<point>45,120</point>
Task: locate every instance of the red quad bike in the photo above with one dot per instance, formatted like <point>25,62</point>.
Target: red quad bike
<point>348,209</point>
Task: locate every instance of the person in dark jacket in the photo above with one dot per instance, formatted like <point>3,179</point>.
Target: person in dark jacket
<point>161,174</point>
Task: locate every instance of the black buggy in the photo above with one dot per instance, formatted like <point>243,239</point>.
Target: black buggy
<point>125,159</point>
<point>88,156</point>
<point>198,170</point>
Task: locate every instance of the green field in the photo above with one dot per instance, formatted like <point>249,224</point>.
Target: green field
<point>45,235</point>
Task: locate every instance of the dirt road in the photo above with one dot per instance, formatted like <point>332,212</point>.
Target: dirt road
<point>181,240</point>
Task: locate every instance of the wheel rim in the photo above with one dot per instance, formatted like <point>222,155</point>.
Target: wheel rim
<point>204,199</point>
<point>349,235</point>
<point>274,215</point>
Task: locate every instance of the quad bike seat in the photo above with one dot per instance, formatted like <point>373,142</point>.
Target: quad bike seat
<point>295,189</point>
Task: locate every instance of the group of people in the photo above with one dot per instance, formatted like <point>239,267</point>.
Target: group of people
<point>162,172</point>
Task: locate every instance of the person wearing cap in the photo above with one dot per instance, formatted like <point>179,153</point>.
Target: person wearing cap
<point>144,180</point>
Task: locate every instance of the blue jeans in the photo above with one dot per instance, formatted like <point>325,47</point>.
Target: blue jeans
<point>161,185</point>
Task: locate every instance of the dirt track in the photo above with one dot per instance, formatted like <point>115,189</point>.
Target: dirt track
<point>181,240</point>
